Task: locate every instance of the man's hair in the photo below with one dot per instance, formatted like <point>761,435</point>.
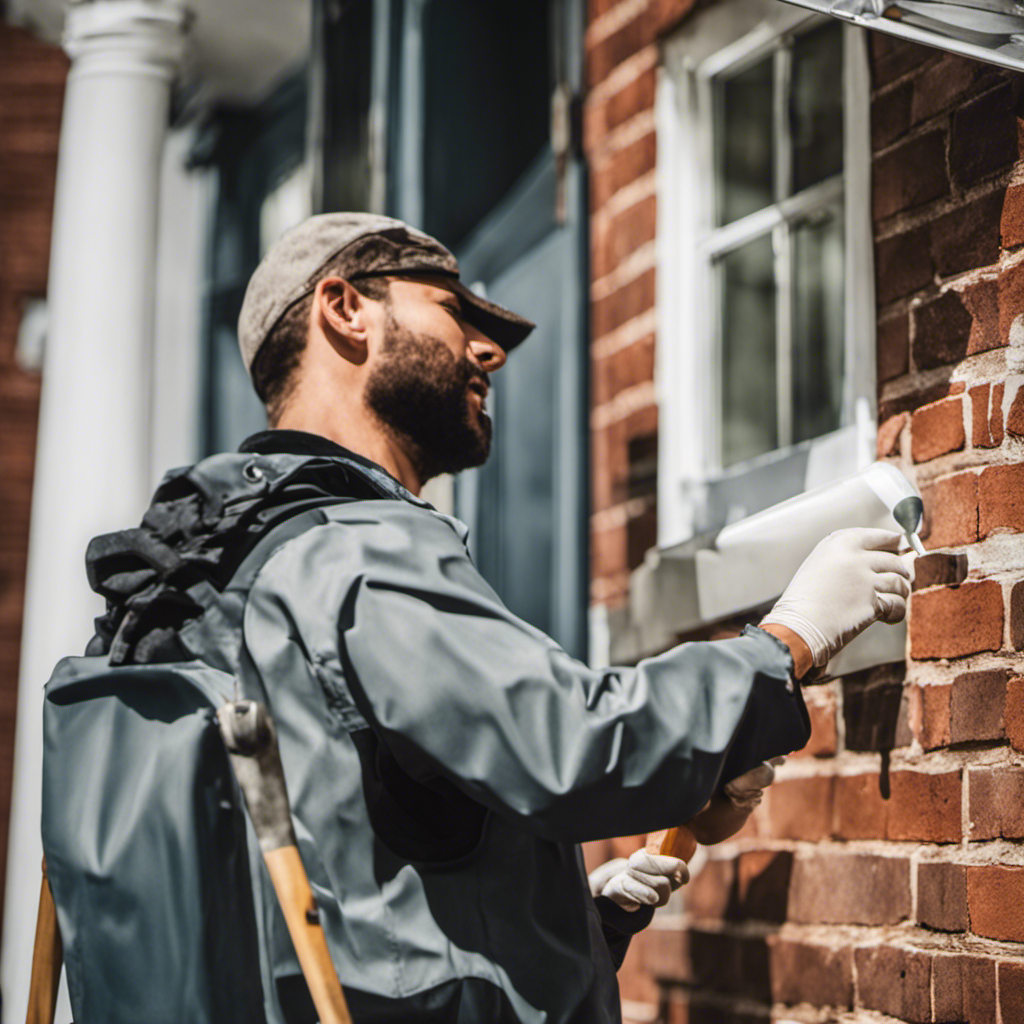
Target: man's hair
<point>274,371</point>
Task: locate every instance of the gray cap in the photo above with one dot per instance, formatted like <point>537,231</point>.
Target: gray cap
<point>358,245</point>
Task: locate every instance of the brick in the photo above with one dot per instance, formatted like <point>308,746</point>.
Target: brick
<point>821,707</point>
<point>950,511</point>
<point>964,989</point>
<point>762,885</point>
<point>930,715</point>
<point>1011,990</point>
<point>967,237</point>
<point>731,963</point>
<point>861,811</point>
<point>1011,224</point>
<point>889,435</point>
<point>925,806</point>
<point>903,264</point>
<point>621,168</point>
<point>624,303</point>
<point>942,895</point>
<point>871,708</point>
<point>805,972</point>
<point>713,891</point>
<point>939,568</point>
<point>996,803</point>
<point>909,174</point>
<point>895,981</point>
<point>670,12</point>
<point>615,240</point>
<point>801,808</point>
<point>1014,415</point>
<point>947,81</point>
<point>937,429</point>
<point>1013,713</point>
<point>628,366</point>
<point>950,622</point>
<point>641,535</point>
<point>605,55</point>
<point>849,888</point>
<point>995,893</point>
<point>986,415</point>
<point>942,329</point>
<point>891,57</point>
<point>948,989</point>
<point>892,347</point>
<point>979,980</point>
<point>976,706</point>
<point>983,135</point>
<point>666,953</point>
<point>890,115</point>
<point>982,300</point>
<point>636,97</point>
<point>1010,300</point>
<point>1001,499</point>
<point>915,399</point>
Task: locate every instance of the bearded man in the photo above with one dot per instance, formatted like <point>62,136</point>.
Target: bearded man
<point>444,758</point>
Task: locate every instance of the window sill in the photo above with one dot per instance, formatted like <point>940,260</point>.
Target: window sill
<point>693,585</point>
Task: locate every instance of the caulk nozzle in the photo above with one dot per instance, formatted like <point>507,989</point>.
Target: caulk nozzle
<point>908,512</point>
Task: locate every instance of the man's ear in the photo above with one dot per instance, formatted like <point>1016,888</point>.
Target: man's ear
<point>341,313</point>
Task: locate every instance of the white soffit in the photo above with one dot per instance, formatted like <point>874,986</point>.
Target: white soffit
<point>988,30</point>
<point>239,48</point>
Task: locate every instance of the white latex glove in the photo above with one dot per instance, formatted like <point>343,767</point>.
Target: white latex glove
<point>646,879</point>
<point>850,580</point>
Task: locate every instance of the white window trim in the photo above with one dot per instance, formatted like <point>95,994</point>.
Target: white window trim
<point>691,487</point>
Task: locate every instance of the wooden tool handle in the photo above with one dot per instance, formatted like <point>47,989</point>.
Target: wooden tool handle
<point>673,842</point>
<point>300,913</point>
<point>47,960</point>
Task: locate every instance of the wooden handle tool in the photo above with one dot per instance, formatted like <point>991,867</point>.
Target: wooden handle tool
<point>673,842</point>
<point>47,960</point>
<point>251,742</point>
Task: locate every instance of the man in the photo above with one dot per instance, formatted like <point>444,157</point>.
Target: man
<point>443,757</point>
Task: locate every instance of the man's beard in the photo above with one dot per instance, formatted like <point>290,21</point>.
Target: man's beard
<point>420,392</point>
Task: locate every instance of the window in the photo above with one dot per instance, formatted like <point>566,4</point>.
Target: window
<point>766,307</point>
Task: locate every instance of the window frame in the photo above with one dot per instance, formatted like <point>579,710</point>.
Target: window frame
<point>696,493</point>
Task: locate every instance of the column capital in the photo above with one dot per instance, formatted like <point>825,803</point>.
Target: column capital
<point>126,37</point>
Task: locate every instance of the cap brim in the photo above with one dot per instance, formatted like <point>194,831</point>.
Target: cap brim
<point>501,325</point>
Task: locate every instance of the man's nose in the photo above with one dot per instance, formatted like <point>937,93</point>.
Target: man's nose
<point>489,354</point>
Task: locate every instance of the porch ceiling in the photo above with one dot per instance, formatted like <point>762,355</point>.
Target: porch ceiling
<point>240,48</point>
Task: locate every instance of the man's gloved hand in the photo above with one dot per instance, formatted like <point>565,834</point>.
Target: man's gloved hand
<point>850,580</point>
<point>646,879</point>
<point>728,810</point>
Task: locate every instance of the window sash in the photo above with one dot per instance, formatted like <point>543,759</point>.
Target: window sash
<point>696,493</point>
<point>776,219</point>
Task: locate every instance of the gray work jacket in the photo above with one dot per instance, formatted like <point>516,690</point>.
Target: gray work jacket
<point>444,758</point>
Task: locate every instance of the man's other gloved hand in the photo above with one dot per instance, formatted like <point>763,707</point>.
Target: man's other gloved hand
<point>728,810</point>
<point>646,879</point>
<point>850,580</point>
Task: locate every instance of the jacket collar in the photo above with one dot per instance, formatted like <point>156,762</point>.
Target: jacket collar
<point>301,442</point>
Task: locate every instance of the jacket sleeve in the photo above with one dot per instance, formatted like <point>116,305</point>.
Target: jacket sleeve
<point>458,686</point>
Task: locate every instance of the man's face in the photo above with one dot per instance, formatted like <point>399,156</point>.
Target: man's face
<point>430,380</point>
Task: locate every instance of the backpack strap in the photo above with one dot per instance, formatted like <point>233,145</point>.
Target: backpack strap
<point>291,525</point>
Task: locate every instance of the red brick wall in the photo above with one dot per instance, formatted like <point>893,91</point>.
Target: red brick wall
<point>32,78</point>
<point>882,879</point>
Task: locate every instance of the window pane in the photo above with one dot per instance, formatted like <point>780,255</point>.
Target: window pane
<point>818,326</point>
<point>816,105</point>
<point>745,174</point>
<point>749,421</point>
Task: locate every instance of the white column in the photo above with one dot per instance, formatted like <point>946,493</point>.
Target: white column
<point>92,460</point>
